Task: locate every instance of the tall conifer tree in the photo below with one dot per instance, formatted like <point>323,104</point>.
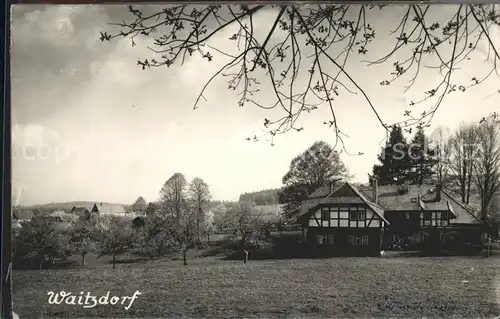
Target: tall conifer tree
<point>394,159</point>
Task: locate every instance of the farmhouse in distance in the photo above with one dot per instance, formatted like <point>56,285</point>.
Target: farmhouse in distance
<point>101,209</point>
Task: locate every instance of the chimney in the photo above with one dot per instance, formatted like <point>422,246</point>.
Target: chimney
<point>375,190</point>
<point>439,187</point>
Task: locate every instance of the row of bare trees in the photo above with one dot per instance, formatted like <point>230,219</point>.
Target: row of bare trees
<point>179,222</point>
<point>468,162</point>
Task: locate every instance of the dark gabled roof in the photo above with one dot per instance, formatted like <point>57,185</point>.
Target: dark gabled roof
<point>345,194</point>
<point>81,209</point>
<point>462,212</point>
<point>416,198</point>
<point>421,196</point>
<point>22,214</point>
<point>391,199</point>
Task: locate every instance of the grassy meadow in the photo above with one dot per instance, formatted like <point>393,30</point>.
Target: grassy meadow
<point>465,287</point>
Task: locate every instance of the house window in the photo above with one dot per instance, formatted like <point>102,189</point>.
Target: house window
<point>358,240</point>
<point>427,218</point>
<point>357,214</point>
<point>445,218</point>
<point>422,237</point>
<point>325,214</point>
<point>324,239</point>
<point>364,240</point>
<point>443,237</point>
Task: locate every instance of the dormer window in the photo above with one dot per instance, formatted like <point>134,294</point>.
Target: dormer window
<point>325,214</point>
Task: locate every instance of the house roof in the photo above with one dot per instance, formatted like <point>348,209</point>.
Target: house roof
<point>345,194</point>
<point>105,208</point>
<point>421,196</point>
<point>23,214</point>
<point>463,213</point>
<point>81,209</point>
<point>389,199</point>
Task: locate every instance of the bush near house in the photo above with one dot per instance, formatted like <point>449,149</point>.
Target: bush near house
<point>40,244</point>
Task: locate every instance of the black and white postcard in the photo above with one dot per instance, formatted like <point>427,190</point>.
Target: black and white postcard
<point>255,160</point>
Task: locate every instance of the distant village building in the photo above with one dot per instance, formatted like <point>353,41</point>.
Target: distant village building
<point>109,209</point>
<point>20,216</point>
<point>80,210</point>
<point>102,209</point>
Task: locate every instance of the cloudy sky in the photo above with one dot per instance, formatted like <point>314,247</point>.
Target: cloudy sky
<point>107,131</point>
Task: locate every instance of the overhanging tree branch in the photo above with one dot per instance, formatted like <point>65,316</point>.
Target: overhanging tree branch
<point>307,38</point>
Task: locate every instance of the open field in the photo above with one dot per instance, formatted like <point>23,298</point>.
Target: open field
<point>337,287</point>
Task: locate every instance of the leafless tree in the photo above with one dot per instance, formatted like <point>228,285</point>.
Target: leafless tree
<point>199,193</point>
<point>182,228</point>
<point>464,147</point>
<point>178,214</point>
<point>172,195</point>
<point>440,141</point>
<point>487,164</point>
<point>139,205</point>
<point>85,236</point>
<point>316,166</point>
<point>245,220</point>
<point>117,239</point>
<point>39,240</point>
<point>494,214</point>
<point>153,240</point>
<point>312,44</point>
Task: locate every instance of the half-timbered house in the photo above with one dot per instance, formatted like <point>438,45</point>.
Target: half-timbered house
<point>365,220</point>
<point>342,221</point>
<point>426,217</point>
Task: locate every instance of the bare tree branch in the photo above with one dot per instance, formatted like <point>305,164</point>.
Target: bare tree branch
<point>303,58</point>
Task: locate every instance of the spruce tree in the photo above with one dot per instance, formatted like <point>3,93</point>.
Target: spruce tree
<point>394,159</point>
<point>422,159</point>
